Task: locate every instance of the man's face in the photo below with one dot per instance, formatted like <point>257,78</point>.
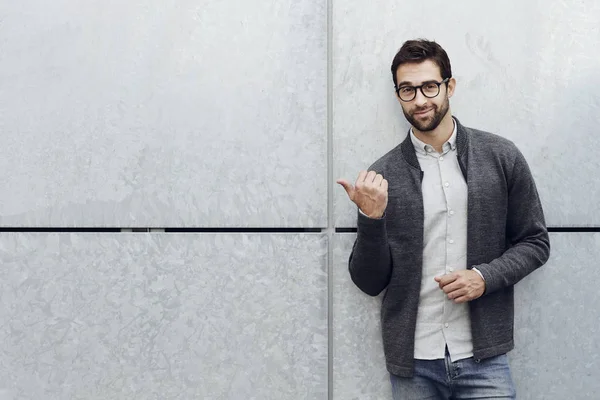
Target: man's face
<point>425,114</point>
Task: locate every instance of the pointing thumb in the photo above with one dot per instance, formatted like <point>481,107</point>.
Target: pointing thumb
<point>347,186</point>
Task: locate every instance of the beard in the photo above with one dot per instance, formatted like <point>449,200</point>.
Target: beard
<point>432,122</point>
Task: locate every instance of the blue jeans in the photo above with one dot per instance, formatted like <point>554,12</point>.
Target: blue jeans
<point>464,379</point>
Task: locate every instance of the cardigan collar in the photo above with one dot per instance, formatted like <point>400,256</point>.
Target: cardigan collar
<point>462,143</point>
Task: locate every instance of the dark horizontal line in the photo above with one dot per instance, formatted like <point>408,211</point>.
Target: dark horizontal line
<point>554,230</point>
<point>236,230</point>
<point>166,230</point>
<point>575,229</point>
<point>244,230</point>
<point>59,229</point>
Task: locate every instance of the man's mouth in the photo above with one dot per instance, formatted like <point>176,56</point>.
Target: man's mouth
<point>422,112</point>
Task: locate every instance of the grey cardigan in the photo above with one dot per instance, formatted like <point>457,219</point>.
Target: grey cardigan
<point>506,240</point>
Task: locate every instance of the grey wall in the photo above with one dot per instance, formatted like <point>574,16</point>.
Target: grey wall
<point>163,113</point>
<point>163,316</point>
<point>206,114</point>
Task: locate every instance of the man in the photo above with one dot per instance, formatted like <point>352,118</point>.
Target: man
<point>448,222</point>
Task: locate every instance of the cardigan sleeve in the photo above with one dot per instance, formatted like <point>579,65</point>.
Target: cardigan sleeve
<point>370,262</point>
<point>529,244</point>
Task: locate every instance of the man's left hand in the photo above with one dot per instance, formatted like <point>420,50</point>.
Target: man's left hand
<point>461,286</point>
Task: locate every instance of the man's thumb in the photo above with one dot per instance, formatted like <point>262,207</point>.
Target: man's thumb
<point>347,186</point>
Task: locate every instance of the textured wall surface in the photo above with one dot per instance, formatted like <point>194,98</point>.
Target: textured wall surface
<point>557,320</point>
<point>358,364</point>
<point>175,316</point>
<point>176,113</point>
<point>214,114</point>
<point>534,83</point>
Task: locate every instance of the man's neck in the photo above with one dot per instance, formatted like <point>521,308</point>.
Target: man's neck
<point>439,135</point>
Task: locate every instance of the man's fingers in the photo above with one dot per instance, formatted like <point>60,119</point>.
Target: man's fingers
<point>384,185</point>
<point>451,287</point>
<point>347,187</point>
<point>371,176</point>
<point>462,299</point>
<point>445,279</point>
<point>361,177</point>
<point>454,294</point>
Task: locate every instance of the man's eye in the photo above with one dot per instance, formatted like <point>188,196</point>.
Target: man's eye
<point>406,90</point>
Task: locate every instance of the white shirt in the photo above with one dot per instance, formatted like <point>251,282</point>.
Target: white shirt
<point>440,321</point>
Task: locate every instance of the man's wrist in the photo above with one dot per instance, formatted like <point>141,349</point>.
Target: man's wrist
<point>479,272</point>
<point>361,211</point>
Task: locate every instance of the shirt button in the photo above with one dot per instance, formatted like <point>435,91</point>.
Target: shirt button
<point>451,212</point>
<point>446,184</point>
<point>441,158</point>
<point>450,241</point>
<point>446,325</point>
<point>450,269</point>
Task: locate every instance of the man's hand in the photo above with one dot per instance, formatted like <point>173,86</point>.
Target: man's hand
<point>369,193</point>
<point>462,286</point>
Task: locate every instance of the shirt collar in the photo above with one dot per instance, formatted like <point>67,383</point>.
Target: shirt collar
<point>424,148</point>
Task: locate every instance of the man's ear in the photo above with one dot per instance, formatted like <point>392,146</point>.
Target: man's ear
<point>451,86</point>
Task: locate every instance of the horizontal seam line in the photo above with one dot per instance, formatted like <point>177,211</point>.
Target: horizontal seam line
<point>166,230</point>
<point>554,230</point>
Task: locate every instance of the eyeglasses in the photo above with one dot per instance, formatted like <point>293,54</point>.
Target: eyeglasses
<point>429,90</point>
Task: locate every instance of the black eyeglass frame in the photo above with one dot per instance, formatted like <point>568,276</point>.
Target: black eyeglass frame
<point>421,89</point>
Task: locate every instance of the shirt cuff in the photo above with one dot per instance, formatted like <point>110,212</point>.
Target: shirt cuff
<point>479,272</point>
<point>360,211</point>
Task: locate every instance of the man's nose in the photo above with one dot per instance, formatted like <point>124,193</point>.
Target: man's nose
<point>420,99</point>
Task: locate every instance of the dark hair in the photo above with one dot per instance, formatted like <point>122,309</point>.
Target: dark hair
<point>419,50</point>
